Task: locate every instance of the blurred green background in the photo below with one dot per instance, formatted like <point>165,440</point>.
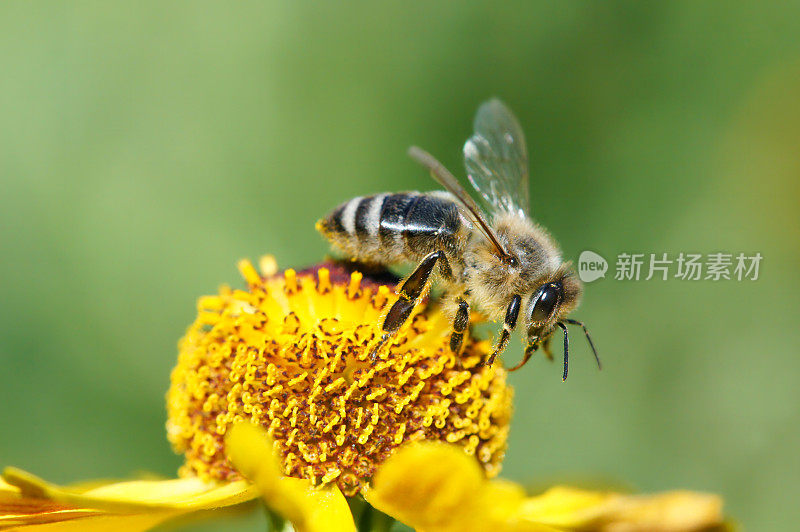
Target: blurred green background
<point>144,148</point>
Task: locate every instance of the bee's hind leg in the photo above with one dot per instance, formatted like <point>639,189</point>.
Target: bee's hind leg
<point>411,291</point>
<point>460,322</point>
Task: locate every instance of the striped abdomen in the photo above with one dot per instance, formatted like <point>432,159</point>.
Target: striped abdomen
<point>391,228</point>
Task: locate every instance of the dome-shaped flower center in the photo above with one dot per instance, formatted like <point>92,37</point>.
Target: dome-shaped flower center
<point>292,353</point>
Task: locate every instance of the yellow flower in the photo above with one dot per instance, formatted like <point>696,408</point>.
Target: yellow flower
<point>293,354</point>
<point>275,393</point>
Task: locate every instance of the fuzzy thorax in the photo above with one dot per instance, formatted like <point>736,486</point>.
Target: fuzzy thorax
<point>493,282</point>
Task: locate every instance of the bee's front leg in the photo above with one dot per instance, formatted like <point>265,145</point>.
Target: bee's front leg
<point>530,350</point>
<point>546,348</point>
<point>512,312</point>
<point>411,291</point>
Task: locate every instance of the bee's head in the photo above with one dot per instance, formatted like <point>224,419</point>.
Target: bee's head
<point>548,307</point>
<point>549,303</point>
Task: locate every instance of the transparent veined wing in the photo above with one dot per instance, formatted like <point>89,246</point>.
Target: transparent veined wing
<point>496,158</point>
<point>443,176</point>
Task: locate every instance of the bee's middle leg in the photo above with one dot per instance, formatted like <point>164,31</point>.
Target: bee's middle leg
<point>512,312</point>
<point>411,291</point>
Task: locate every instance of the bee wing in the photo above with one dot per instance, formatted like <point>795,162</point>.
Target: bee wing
<point>496,158</point>
<point>443,176</point>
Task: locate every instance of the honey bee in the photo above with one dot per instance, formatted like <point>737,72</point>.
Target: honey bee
<point>506,266</point>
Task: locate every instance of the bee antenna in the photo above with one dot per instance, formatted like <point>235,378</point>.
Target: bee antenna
<point>589,338</point>
<point>566,349</point>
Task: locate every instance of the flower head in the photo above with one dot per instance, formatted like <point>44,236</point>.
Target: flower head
<point>292,354</point>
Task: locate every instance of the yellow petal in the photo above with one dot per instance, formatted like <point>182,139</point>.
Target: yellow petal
<point>565,507</point>
<point>30,502</point>
<point>63,522</point>
<point>133,496</point>
<point>423,485</point>
<point>17,510</point>
<point>309,509</point>
<point>33,514</point>
<point>673,511</point>
<point>439,488</point>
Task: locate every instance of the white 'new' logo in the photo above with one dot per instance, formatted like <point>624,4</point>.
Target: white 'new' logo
<point>591,266</point>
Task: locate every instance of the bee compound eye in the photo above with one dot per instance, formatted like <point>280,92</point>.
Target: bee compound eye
<point>545,301</point>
